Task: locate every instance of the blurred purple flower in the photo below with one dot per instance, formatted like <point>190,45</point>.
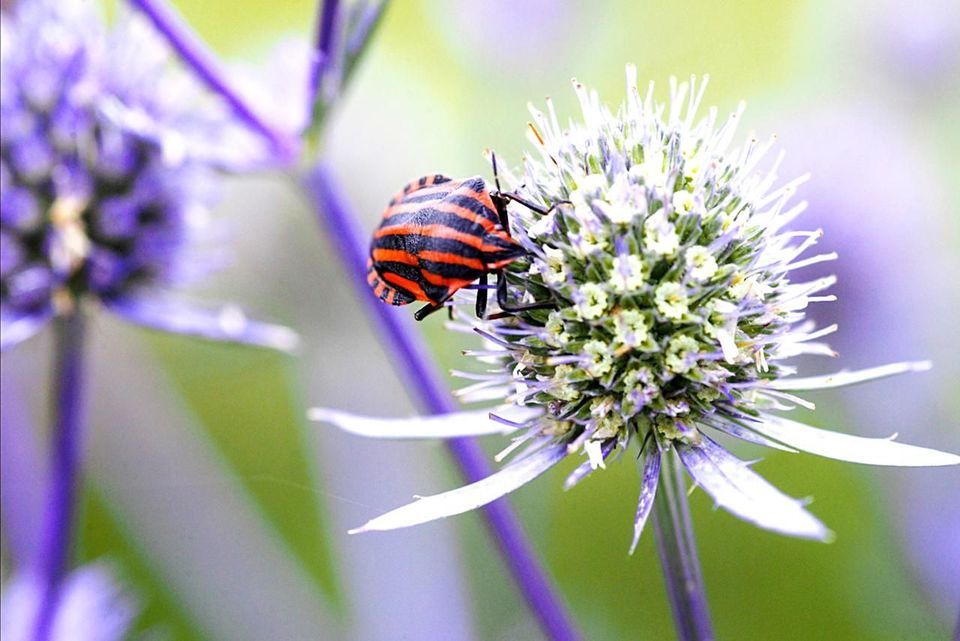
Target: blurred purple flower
<point>108,155</point>
<point>508,34</point>
<point>898,297</point>
<point>917,42</point>
<point>284,71</point>
<point>92,607</point>
<point>885,230</point>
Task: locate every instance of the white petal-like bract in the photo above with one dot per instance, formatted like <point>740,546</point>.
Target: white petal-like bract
<point>470,497</point>
<point>648,490</point>
<point>735,487</point>
<point>844,378</point>
<point>454,425</point>
<point>846,447</point>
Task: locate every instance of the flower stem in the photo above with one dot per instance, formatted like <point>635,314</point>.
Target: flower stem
<point>678,554</point>
<point>195,54</point>
<point>357,39</point>
<point>342,36</point>
<point>67,412</point>
<point>327,16</point>
<point>432,395</point>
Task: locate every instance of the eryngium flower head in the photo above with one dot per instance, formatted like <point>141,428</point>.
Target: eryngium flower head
<point>108,153</point>
<point>665,255</point>
<point>91,607</point>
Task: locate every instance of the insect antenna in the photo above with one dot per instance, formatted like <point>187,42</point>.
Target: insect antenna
<point>535,208</point>
<point>496,175</point>
<point>514,197</point>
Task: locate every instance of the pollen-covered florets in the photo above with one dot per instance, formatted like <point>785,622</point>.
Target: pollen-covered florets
<point>663,254</point>
<point>653,305</point>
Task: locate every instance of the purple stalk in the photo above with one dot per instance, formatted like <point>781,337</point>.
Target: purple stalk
<point>323,50</point>
<point>365,23</point>
<point>333,210</point>
<point>194,52</point>
<point>411,358</point>
<point>67,412</point>
<point>678,554</point>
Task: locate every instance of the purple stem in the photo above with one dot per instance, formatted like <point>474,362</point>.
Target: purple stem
<point>411,358</point>
<point>361,31</point>
<point>323,51</point>
<point>678,554</point>
<point>68,411</point>
<point>197,56</point>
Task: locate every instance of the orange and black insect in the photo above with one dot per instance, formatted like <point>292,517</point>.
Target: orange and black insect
<point>439,235</point>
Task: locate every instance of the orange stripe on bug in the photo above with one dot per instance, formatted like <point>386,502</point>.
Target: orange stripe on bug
<point>442,231</point>
<point>453,259</point>
<point>452,284</point>
<point>394,256</point>
<point>424,182</point>
<point>441,206</point>
<point>410,286</point>
<point>382,290</point>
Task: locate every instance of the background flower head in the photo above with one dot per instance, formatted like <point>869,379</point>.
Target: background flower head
<point>896,294</point>
<point>108,161</point>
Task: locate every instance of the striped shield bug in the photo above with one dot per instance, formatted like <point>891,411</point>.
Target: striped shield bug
<point>438,235</point>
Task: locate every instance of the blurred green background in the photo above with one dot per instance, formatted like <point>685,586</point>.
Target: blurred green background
<point>225,511</point>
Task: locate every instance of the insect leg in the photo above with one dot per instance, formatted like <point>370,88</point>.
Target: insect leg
<point>504,303</point>
<point>532,207</point>
<point>526,203</point>
<point>430,308</point>
<point>496,176</point>
<point>482,296</point>
<point>426,310</point>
